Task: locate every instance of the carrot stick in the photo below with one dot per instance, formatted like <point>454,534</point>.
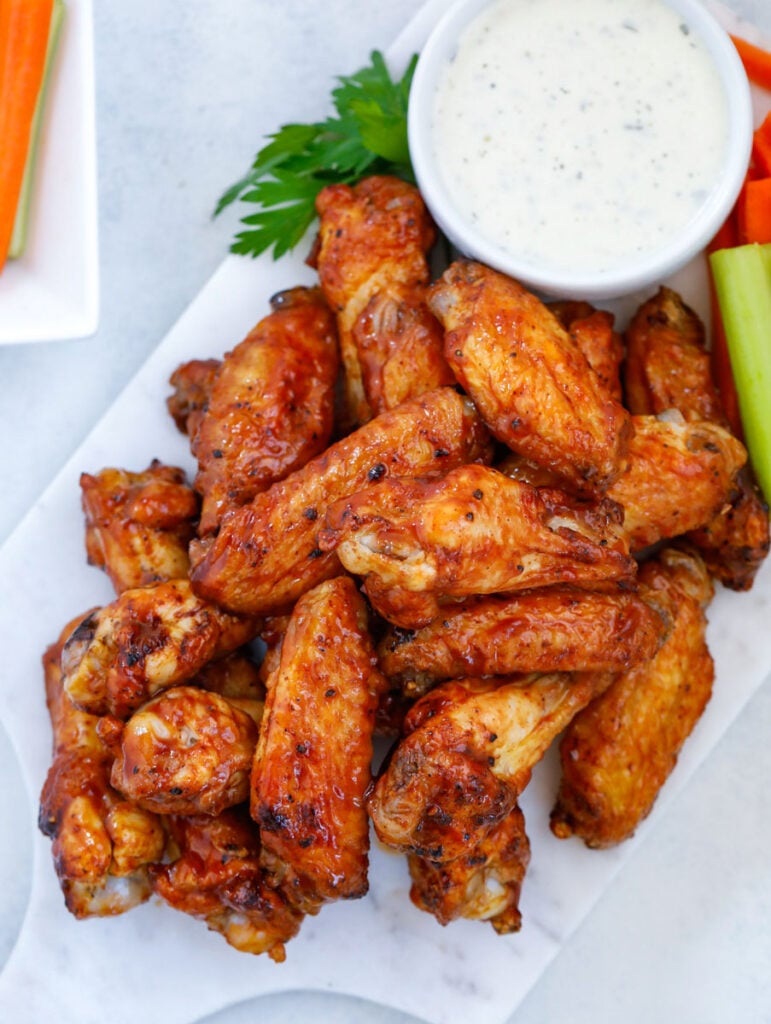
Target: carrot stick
<point>757,62</point>
<point>761,148</point>
<point>756,211</point>
<point>24,28</point>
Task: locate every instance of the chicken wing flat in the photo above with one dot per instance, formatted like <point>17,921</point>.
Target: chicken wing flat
<point>592,331</point>
<point>102,844</point>
<point>187,751</point>
<point>474,531</point>
<point>469,751</point>
<point>555,629</point>
<point>266,554</point>
<point>532,385</point>
<point>668,367</point>
<point>192,383</point>
<point>146,641</point>
<point>312,766</point>
<point>270,409</point>
<point>217,878</point>
<point>618,752</point>
<point>372,237</point>
<point>139,525</point>
<point>483,884</point>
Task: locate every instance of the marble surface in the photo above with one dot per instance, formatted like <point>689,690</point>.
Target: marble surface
<point>184,93</point>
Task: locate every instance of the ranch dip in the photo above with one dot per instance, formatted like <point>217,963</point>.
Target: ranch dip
<point>579,134</point>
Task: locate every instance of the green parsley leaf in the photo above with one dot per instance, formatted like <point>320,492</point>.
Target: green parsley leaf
<point>367,135</point>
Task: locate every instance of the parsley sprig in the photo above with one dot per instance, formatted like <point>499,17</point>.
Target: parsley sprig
<point>367,135</point>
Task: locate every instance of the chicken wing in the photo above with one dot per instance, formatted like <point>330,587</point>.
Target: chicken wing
<point>102,844</point>
<point>236,676</point>
<point>192,383</point>
<point>270,409</point>
<point>139,525</point>
<point>532,385</point>
<point>146,641</point>
<point>592,331</point>
<point>266,554</point>
<point>312,766</point>
<point>373,240</point>
<point>217,878</point>
<point>555,629</point>
<point>483,884</point>
<point>619,751</point>
<point>474,531</point>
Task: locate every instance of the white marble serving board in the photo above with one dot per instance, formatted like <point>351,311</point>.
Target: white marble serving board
<point>156,965</point>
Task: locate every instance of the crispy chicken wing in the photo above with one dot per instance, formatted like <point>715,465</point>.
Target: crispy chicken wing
<point>270,409</point>
<point>217,878</point>
<point>619,751</point>
<point>372,238</point>
<point>312,766</point>
<point>266,554</point>
<point>192,383</point>
<point>482,884</point>
<point>102,844</point>
<point>236,676</point>
<point>592,331</point>
<point>139,525</point>
<point>146,641</point>
<point>555,629</point>
<point>474,531</point>
<point>531,383</point>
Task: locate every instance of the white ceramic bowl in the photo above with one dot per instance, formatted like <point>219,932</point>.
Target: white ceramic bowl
<point>627,276</point>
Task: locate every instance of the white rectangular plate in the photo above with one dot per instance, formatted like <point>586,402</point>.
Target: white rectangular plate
<point>155,964</point>
<point>52,291</point>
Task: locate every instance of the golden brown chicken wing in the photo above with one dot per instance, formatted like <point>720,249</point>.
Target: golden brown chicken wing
<point>618,752</point>
<point>139,525</point>
<point>474,531</point>
<point>312,766</point>
<point>373,240</point>
<point>236,676</point>
<point>483,884</point>
<point>217,878</point>
<point>555,629</point>
<point>146,641</point>
<point>270,409</point>
<point>266,554</point>
<point>592,331</point>
<point>192,383</point>
<point>102,844</point>
<point>532,385</point>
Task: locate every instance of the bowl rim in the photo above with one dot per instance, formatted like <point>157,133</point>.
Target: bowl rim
<point>626,277</point>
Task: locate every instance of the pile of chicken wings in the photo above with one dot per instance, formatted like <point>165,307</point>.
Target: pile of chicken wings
<point>445,513</point>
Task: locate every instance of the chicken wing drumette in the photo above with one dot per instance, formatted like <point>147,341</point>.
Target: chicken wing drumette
<point>593,332</point>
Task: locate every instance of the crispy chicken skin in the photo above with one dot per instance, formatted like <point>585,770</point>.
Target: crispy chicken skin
<point>146,641</point>
<point>266,554</point>
<point>483,884</point>
<point>469,751</point>
<point>312,766</point>
<point>667,366</point>
<point>217,878</point>
<point>270,409</point>
<point>236,676</point>
<point>102,844</point>
<point>192,383</point>
<point>139,525</point>
<point>619,751</point>
<point>474,531</point>
<point>592,331</point>
<point>555,629</point>
<point>187,751</point>
<point>531,383</point>
<point>372,238</point>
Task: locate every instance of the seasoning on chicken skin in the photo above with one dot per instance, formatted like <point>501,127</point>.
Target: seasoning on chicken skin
<point>147,640</point>
<point>592,331</point>
<point>266,554</point>
<point>192,383</point>
<point>474,531</point>
<point>469,751</point>
<point>102,844</point>
<point>373,239</point>
<point>483,884</point>
<point>270,408</point>
<point>139,525</point>
<point>667,367</point>
<point>236,676</point>
<point>217,878</point>
<point>187,751</point>
<point>618,752</point>
<point>312,765</point>
<point>555,629</point>
<point>532,385</point>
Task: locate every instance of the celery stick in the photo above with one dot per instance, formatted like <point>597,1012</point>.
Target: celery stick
<point>21,223</point>
<point>743,284</point>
